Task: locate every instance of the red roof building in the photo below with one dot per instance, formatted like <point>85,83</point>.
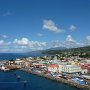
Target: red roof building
<point>53,68</point>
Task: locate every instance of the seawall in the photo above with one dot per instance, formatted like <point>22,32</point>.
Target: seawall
<point>61,80</point>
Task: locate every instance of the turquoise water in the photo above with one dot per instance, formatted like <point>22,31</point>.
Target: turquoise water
<point>9,81</point>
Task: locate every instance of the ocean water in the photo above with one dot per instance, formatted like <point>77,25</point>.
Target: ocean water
<point>9,81</point>
<point>9,56</point>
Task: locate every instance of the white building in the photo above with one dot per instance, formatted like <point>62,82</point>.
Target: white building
<point>69,68</point>
<point>19,62</point>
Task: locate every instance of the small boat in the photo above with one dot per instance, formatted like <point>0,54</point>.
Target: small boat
<point>18,77</point>
<point>25,82</point>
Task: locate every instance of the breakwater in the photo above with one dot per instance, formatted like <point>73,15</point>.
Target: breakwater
<point>60,80</point>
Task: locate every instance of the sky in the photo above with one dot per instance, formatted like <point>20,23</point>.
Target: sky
<point>27,25</point>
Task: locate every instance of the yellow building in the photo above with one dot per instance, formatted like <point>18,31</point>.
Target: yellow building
<point>69,68</point>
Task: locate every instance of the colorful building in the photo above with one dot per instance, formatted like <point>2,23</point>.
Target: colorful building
<point>53,68</point>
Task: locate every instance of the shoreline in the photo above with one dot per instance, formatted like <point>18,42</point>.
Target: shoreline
<point>59,80</point>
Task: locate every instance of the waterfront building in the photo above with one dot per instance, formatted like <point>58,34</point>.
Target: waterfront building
<point>60,68</point>
<point>85,66</point>
<point>69,69</point>
<point>19,62</point>
<point>53,68</point>
<point>38,65</point>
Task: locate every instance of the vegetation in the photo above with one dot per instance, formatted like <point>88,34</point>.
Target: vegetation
<point>81,52</point>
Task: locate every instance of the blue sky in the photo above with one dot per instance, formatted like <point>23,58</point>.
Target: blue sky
<point>27,25</point>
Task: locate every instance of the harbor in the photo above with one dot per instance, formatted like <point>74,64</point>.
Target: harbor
<point>51,69</point>
<point>59,80</point>
<point>34,82</point>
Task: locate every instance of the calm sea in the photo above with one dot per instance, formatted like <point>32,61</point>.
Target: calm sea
<point>9,81</point>
<point>9,56</point>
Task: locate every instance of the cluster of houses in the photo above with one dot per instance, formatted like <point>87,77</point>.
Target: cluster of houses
<point>70,65</point>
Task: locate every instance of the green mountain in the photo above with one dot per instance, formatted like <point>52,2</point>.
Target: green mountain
<point>81,51</point>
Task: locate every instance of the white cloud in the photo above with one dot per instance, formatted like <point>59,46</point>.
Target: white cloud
<point>21,45</point>
<point>23,41</point>
<point>88,38</point>
<point>70,42</point>
<point>26,43</point>
<point>1,42</point>
<point>4,36</point>
<point>87,41</point>
<point>39,34</point>
<point>69,39</point>
<point>37,44</point>
<point>4,46</point>
<point>51,26</point>
<point>72,28</point>
<point>55,44</point>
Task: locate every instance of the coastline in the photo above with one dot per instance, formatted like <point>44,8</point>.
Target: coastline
<point>60,80</point>
<point>26,64</point>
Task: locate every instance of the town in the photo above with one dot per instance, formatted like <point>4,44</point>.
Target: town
<point>72,69</point>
